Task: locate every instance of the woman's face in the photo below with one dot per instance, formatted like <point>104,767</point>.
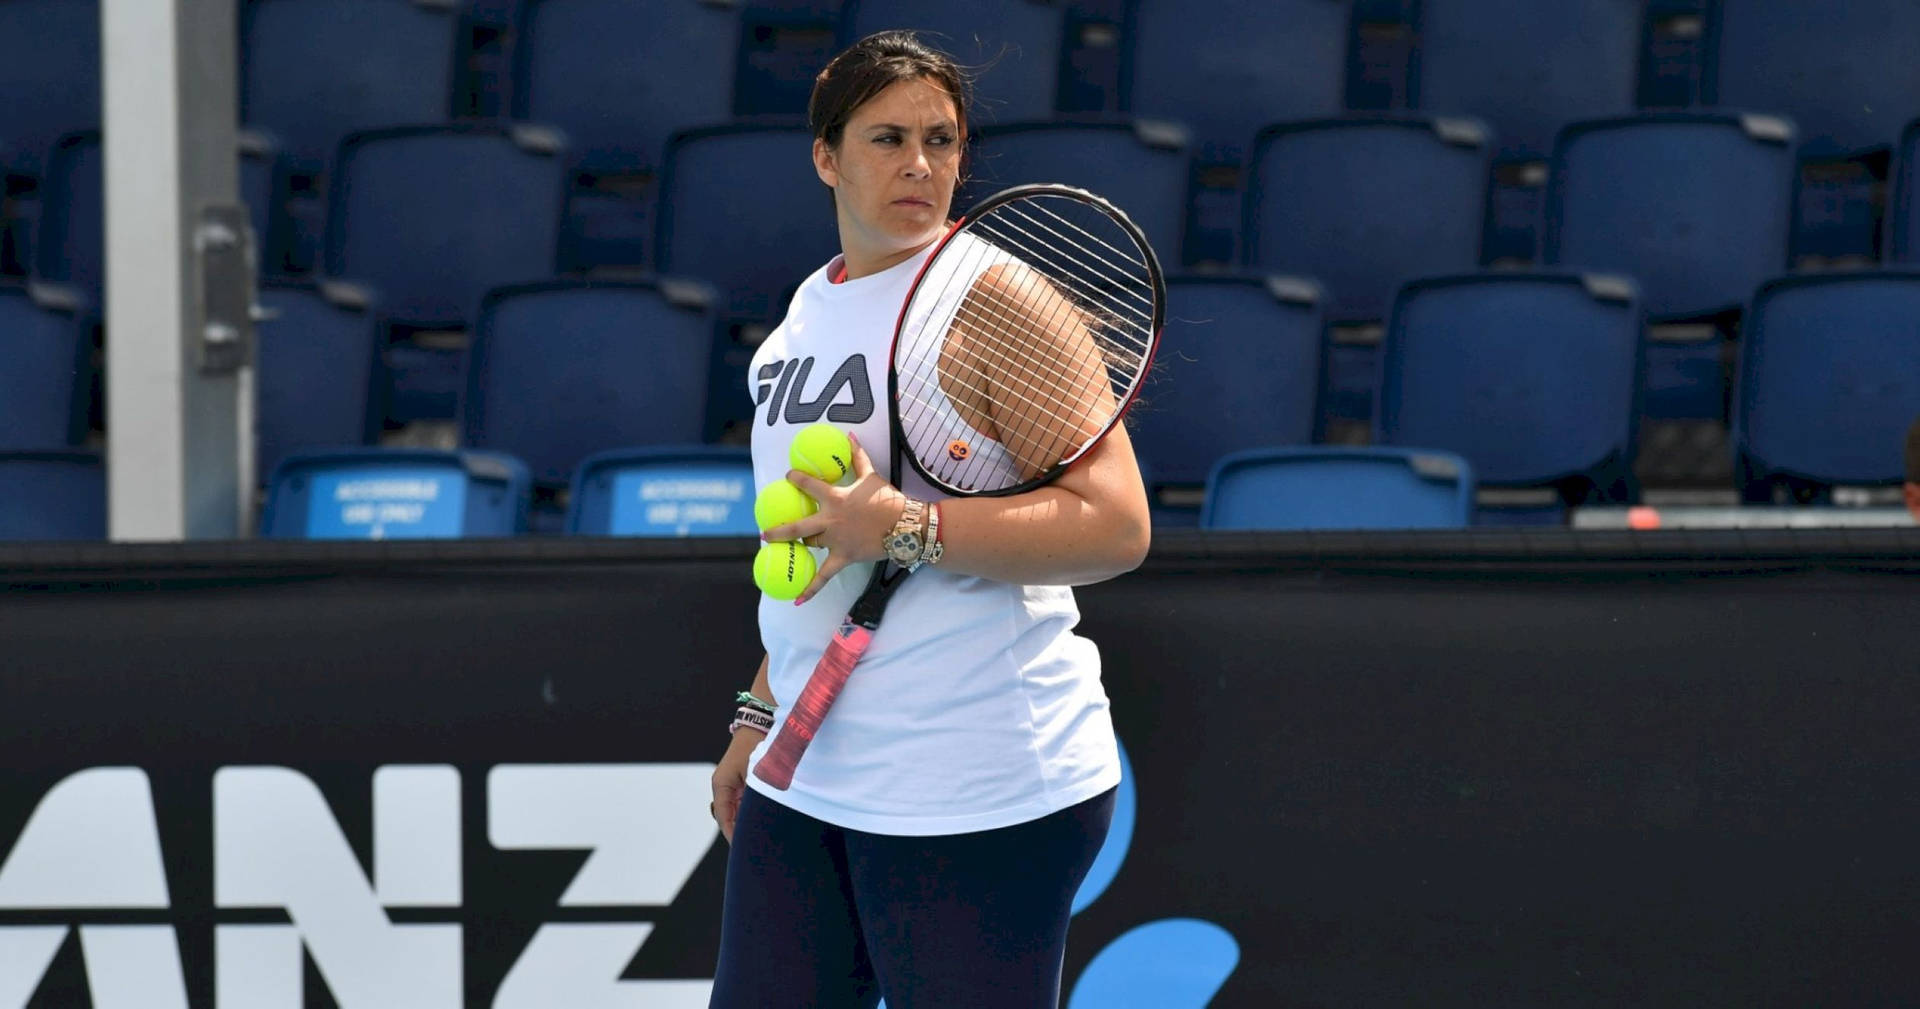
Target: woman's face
<point>893,173</point>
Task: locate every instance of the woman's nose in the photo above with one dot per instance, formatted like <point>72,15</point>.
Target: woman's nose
<point>917,166</point>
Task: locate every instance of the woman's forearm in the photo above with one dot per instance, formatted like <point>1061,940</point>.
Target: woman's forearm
<point>1089,525</point>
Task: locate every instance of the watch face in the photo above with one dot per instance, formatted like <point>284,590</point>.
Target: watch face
<point>904,547</point>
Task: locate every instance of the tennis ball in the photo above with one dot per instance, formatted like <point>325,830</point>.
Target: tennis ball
<point>783,570</point>
<point>823,451</point>
<point>779,503</point>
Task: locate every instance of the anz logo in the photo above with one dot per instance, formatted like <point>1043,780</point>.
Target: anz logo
<point>93,844</point>
<point>846,398</point>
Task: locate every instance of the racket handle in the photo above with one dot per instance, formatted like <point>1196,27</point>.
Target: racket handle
<point>810,709</point>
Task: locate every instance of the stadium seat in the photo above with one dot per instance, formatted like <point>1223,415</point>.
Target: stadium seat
<point>396,494</point>
<point>52,495</point>
<point>618,77</point>
<point>314,71</point>
<point>560,370</point>
<point>1696,207</point>
<point>50,75</point>
<point>1339,488</point>
<point>1845,73</point>
<point>1532,377</point>
<point>44,368</point>
<point>1014,47</point>
<point>1140,166</point>
<point>1903,212</point>
<point>1238,367</point>
<point>434,217</point>
<point>1363,205</point>
<point>317,345</point>
<point>70,247</point>
<point>754,252</point>
<point>1526,68</point>
<point>1695,204</point>
<point>1829,382</point>
<point>703,490</point>
<point>261,186</point>
<point>1227,68</point>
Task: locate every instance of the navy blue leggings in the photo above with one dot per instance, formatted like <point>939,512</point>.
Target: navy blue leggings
<point>820,916</point>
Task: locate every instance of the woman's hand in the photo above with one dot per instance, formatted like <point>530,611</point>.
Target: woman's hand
<point>851,522</point>
<point>730,779</point>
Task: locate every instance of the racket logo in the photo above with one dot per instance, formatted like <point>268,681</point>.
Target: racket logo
<point>958,451</point>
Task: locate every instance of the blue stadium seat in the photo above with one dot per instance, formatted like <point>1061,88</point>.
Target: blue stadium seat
<point>52,495</point>
<point>317,347</point>
<point>1227,68</point>
<point>1532,377</point>
<point>71,245</point>
<point>1363,205</point>
<point>314,71</point>
<point>1696,207</point>
<point>1140,166</point>
<point>432,218</point>
<point>50,75</point>
<point>754,250</point>
<point>704,490</point>
<point>619,77</point>
<point>1829,382</point>
<point>1526,68</point>
<point>1845,73</point>
<point>1339,488</point>
<point>1014,47</point>
<point>1903,211</point>
<point>560,370</point>
<point>396,494</point>
<point>1238,367</point>
<point>44,369</point>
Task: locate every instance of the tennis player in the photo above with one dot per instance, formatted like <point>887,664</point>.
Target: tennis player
<point>933,838</point>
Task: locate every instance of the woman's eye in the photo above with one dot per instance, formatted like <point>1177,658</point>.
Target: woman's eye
<point>940,140</point>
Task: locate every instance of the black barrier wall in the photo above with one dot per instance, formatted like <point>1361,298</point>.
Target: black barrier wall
<point>1513,770</point>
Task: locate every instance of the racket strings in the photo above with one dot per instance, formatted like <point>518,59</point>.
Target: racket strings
<point>1010,234</point>
<point>1016,356</point>
<point>1125,274</point>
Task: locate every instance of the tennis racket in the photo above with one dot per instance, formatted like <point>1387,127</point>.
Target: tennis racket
<point>1022,341</point>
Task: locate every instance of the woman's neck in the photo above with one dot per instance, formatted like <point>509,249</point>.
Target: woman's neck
<point>858,265</point>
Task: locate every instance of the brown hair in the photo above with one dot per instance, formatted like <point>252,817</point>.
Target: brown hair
<point>867,68</point>
<point>1913,452</point>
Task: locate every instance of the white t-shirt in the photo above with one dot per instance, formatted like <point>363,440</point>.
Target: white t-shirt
<point>976,706</point>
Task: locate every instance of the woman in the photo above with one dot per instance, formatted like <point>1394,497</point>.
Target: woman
<point>930,846</point>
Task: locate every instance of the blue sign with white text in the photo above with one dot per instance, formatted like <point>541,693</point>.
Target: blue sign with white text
<point>387,503</point>
<point>683,501</point>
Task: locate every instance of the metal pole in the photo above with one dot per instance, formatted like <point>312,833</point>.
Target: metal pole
<point>179,269</point>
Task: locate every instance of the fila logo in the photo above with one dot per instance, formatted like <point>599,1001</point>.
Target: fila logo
<point>93,843</point>
<point>782,384</point>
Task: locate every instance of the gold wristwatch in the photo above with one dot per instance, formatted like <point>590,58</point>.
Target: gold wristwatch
<point>908,540</point>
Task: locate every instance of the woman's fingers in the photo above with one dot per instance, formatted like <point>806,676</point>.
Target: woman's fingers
<point>824,574</point>
<point>862,465</point>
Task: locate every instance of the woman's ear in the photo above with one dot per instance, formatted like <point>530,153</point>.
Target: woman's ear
<point>824,164</point>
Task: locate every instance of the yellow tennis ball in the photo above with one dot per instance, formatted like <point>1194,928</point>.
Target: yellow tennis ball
<point>779,503</point>
<point>823,451</point>
<point>783,570</point>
